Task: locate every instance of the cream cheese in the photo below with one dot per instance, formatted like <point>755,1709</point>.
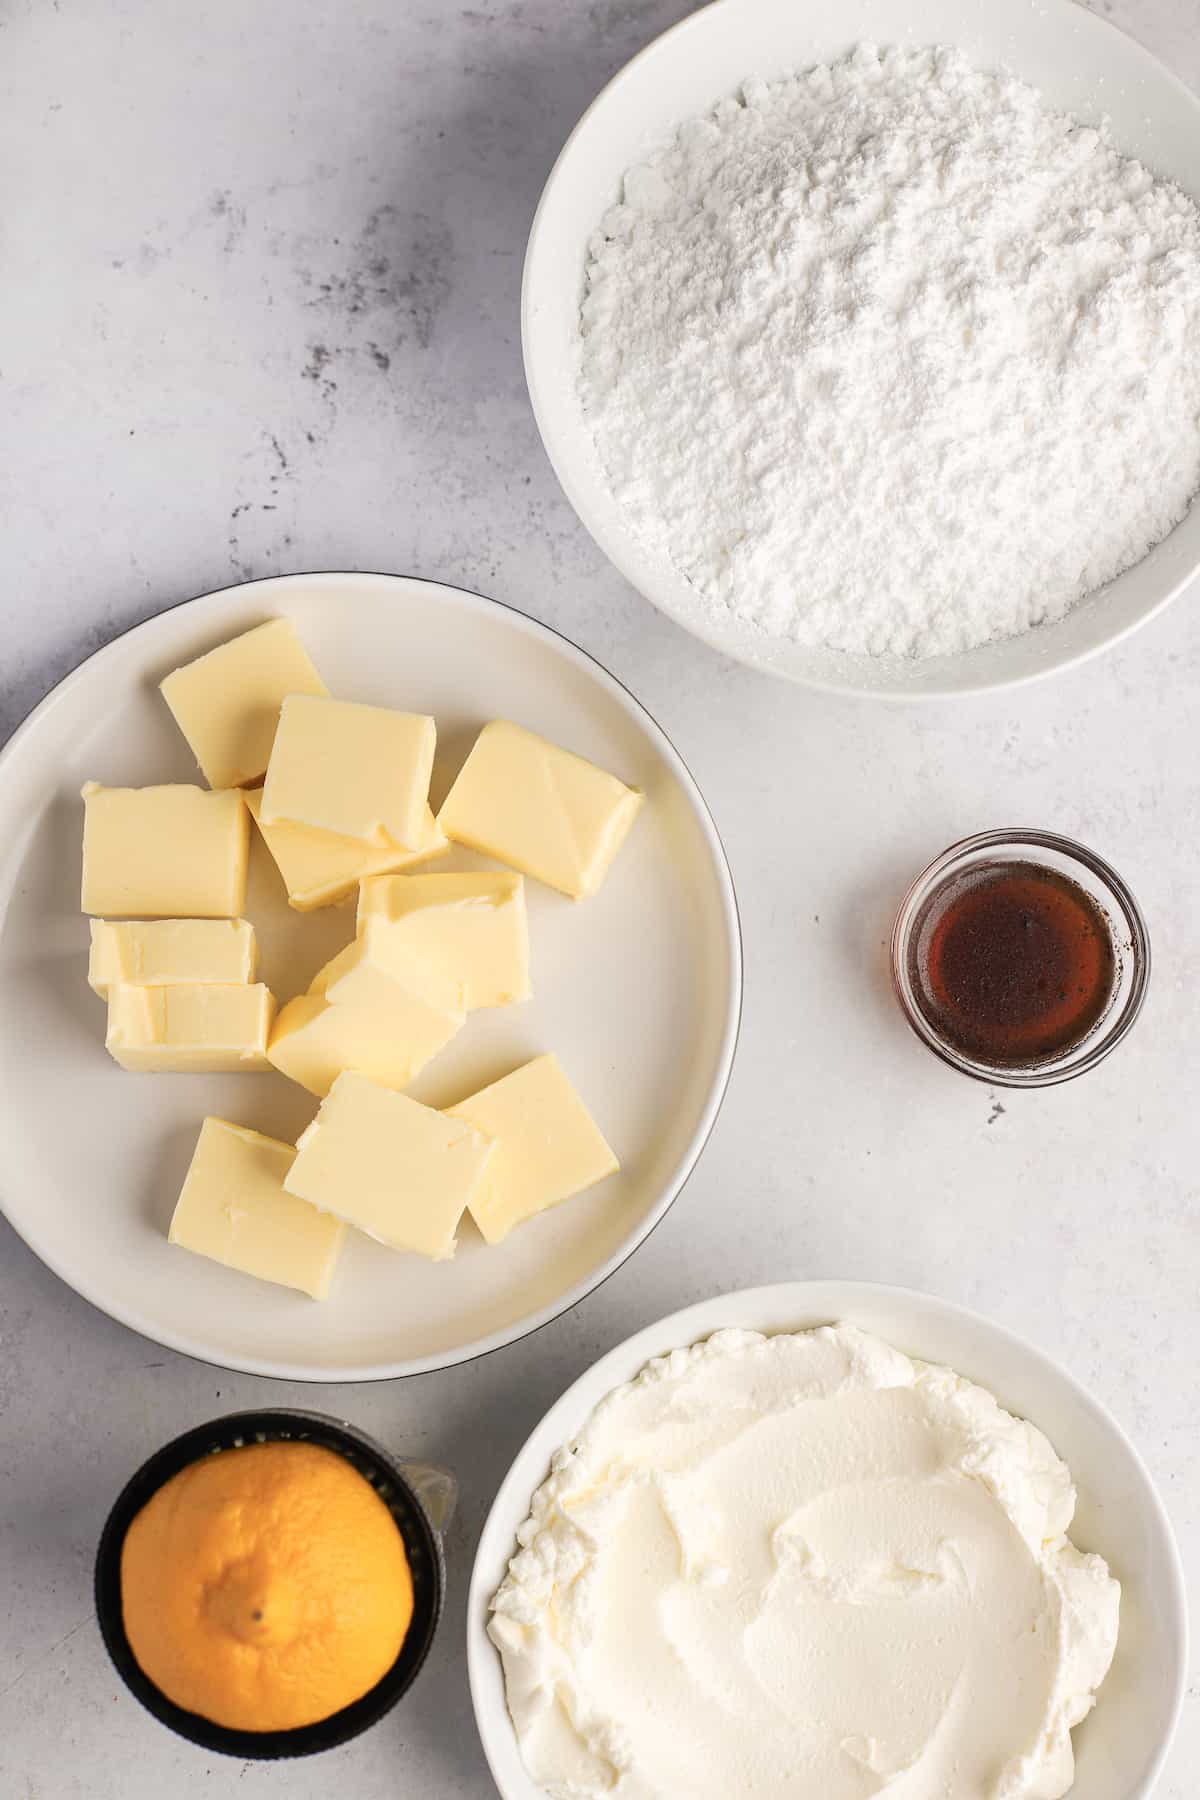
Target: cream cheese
<point>802,1566</point>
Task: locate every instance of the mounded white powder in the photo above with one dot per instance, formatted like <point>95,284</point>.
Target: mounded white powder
<point>892,358</point>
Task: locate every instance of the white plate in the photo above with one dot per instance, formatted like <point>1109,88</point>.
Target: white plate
<point>1121,1747</point>
<point>638,990</point>
<point>1079,61</point>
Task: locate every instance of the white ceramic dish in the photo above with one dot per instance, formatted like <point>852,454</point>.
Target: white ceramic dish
<point>1080,61</point>
<point>638,990</point>
<point>1120,1748</point>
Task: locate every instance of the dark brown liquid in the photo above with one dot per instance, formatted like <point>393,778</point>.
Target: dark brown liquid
<point>1012,963</point>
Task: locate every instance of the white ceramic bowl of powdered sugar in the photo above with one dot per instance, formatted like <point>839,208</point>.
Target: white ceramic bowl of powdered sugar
<point>862,338</point>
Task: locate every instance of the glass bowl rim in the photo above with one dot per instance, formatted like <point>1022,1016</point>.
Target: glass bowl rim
<point>1109,1031</point>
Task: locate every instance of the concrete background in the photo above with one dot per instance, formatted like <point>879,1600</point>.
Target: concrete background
<point>259,314</point>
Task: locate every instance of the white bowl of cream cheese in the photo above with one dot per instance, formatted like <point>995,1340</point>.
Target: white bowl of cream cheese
<point>874,1518</point>
<point>1084,67</point>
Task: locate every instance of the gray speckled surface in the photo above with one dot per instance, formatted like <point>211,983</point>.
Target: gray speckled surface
<point>260,314</point>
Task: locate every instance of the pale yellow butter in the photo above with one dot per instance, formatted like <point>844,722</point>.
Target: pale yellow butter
<point>173,852</point>
<point>163,952</point>
<point>472,928</point>
<point>539,808</point>
<point>548,1146</point>
<point>379,959</point>
<point>194,1028</point>
<point>368,1021</point>
<point>227,703</point>
<point>319,869</point>
<point>233,1208</point>
<point>389,1166</point>
<point>384,1015</point>
<point>360,771</point>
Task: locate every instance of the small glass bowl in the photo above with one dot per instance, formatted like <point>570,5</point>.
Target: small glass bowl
<point>397,1486</point>
<point>1130,943</point>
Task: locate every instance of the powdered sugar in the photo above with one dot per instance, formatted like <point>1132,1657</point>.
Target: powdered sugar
<point>892,358</point>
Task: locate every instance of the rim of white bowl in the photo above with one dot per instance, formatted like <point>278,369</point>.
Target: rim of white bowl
<point>671,1188</point>
<point>620,549</point>
<point>690,1325</point>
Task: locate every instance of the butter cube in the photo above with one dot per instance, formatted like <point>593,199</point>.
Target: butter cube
<point>320,869</point>
<point>165,952</point>
<point>389,1166</point>
<point>233,1208</point>
<point>314,1042</point>
<point>360,771</point>
<point>227,703</point>
<point>379,960</point>
<point>195,1028</point>
<point>383,1020</point>
<point>540,809</point>
<point>472,927</point>
<point>548,1147</point>
<point>172,852</point>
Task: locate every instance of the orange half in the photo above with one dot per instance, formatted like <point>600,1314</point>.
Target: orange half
<point>265,1587</point>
